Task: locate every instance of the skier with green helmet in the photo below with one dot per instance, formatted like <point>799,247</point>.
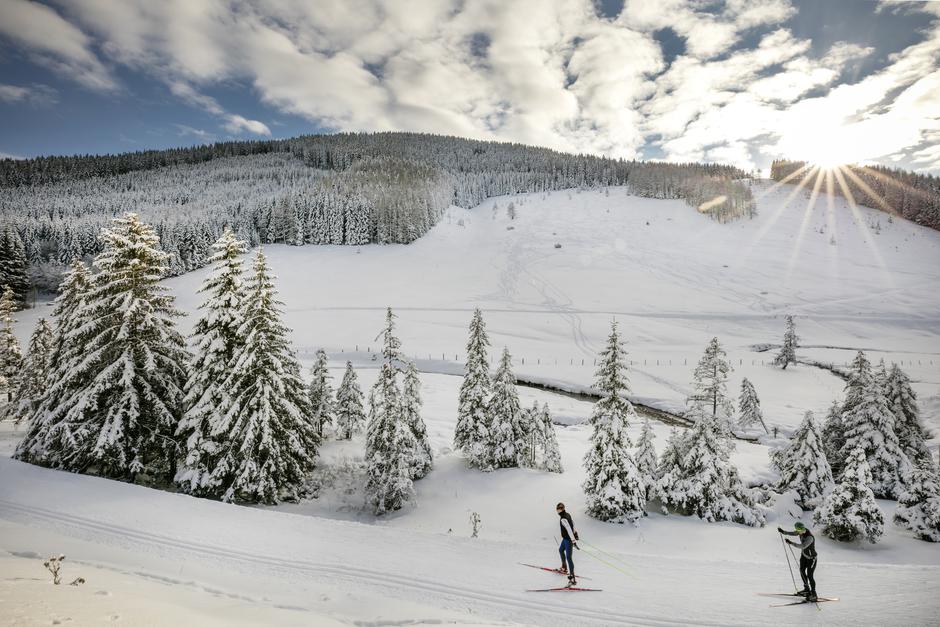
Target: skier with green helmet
<point>808,556</point>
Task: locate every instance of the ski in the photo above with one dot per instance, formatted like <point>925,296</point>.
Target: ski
<point>779,594</point>
<point>571,589</point>
<point>551,570</point>
<point>819,600</point>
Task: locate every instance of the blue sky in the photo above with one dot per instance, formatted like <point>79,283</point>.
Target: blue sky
<point>739,81</point>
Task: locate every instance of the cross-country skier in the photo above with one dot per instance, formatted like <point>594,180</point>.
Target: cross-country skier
<point>807,546</point>
<point>569,538</point>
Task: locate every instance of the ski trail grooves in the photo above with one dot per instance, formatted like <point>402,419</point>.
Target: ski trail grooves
<point>103,533</point>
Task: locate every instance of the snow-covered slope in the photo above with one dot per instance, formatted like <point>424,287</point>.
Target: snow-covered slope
<point>674,279</point>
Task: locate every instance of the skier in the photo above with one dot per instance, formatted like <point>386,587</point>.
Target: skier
<point>807,546</point>
<point>569,538</point>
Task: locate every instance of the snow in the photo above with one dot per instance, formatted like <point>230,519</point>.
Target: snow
<point>672,284</point>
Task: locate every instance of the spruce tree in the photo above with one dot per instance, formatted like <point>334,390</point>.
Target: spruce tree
<point>50,438</point>
<point>919,505</point>
<point>850,512</point>
<point>13,266</point>
<point>349,413</point>
<point>613,486</point>
<point>749,411</point>
<point>122,390</point>
<point>269,443</point>
<point>33,376</point>
<point>833,439</point>
<point>707,483</point>
<point>869,425</point>
<point>11,355</point>
<point>902,401</point>
<point>507,439</point>
<point>411,414</point>
<point>710,382</point>
<point>471,434</point>
<point>787,354</point>
<point>390,444</point>
<point>551,459</point>
<point>803,466</point>
<point>646,461</point>
<point>669,470</point>
<point>215,341</point>
<point>321,392</point>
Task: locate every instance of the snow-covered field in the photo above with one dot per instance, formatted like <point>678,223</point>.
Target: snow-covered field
<point>672,278</point>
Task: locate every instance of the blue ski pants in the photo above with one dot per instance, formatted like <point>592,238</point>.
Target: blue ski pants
<point>565,551</point>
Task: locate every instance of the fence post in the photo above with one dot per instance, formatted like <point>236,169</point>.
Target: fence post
<point>538,361</point>
<point>357,348</point>
<point>523,361</point>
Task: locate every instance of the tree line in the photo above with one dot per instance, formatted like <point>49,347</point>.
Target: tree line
<point>910,195</point>
<point>343,189</point>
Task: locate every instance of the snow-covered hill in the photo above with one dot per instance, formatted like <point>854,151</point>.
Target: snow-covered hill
<point>674,279</point>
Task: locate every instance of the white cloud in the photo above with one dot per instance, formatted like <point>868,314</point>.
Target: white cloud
<point>52,41</point>
<point>547,72</point>
<point>35,94</point>
<point>233,123</point>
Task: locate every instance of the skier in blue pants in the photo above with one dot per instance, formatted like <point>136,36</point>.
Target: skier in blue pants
<point>569,540</point>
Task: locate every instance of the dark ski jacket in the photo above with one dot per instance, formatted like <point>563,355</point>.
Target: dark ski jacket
<point>807,543</point>
<point>566,523</point>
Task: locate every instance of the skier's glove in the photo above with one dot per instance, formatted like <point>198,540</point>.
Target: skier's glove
<point>576,536</point>
<point>780,529</point>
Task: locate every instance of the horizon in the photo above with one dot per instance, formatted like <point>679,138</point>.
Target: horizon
<point>736,82</point>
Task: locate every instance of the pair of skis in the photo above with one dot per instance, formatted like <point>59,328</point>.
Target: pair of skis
<point>558,571</point>
<point>803,600</point>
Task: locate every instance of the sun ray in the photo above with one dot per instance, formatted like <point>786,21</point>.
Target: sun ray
<point>860,222</point>
<point>773,220</point>
<point>807,214</point>
<point>871,193</point>
<point>778,184</point>
<point>833,253</point>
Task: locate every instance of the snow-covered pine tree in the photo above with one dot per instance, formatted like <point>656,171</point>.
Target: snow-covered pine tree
<point>471,434</point>
<point>919,505</point>
<point>710,382</point>
<point>349,413</point>
<point>507,437</point>
<point>833,439</point>
<point>803,466</point>
<point>749,411</point>
<point>551,459</point>
<point>121,396</point>
<point>613,486</point>
<point>33,376</point>
<point>669,469</point>
<point>869,425</point>
<point>850,512</point>
<point>411,414</point>
<point>321,392</point>
<point>13,266</point>
<point>902,401</point>
<point>215,340</point>
<point>707,484</point>
<point>787,354</point>
<point>646,461</point>
<point>50,438</point>
<point>11,356</point>
<point>390,444</point>
<point>269,443</point>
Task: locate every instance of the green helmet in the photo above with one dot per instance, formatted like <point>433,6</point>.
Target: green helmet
<point>799,526</point>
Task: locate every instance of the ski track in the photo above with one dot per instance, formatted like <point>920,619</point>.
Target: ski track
<point>110,534</point>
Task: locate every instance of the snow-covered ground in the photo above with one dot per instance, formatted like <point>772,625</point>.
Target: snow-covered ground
<point>673,279</point>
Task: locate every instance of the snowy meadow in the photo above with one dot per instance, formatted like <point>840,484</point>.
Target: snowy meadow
<point>549,272</point>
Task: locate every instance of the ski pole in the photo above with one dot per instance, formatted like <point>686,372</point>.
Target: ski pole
<point>609,555</point>
<point>605,562</point>
<point>789,565</point>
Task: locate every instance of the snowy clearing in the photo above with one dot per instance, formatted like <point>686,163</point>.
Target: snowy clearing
<point>673,279</point>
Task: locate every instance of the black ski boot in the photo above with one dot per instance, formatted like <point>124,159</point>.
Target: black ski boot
<point>563,570</point>
<point>572,582</point>
<point>803,592</point>
<point>811,597</point>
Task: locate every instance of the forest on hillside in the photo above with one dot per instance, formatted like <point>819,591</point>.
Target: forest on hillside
<point>913,196</point>
<point>342,189</point>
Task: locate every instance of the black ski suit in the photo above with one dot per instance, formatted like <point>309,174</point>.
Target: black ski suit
<point>807,546</point>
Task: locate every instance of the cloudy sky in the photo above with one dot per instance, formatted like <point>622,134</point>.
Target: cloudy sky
<point>740,81</point>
